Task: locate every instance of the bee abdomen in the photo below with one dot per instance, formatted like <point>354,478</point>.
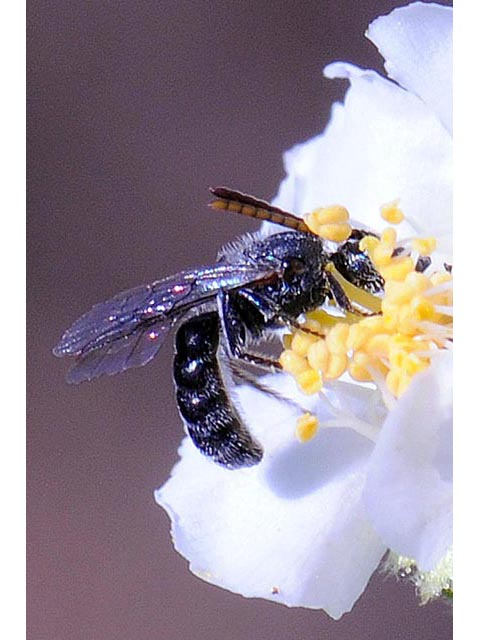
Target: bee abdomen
<point>212,422</point>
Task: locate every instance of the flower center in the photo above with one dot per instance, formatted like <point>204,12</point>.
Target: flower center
<point>399,332</point>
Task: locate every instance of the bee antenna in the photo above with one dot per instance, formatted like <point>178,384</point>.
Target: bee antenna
<point>227,199</point>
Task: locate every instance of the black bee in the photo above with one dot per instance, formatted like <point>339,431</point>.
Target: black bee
<point>259,284</point>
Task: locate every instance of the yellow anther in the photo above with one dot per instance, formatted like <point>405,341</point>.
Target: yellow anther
<point>396,293</point>
<point>397,358</point>
<point>334,232</point>
<point>307,427</point>
<point>417,282</point>
<point>413,364</point>
<point>389,236</point>
<point>368,243</point>
<point>337,365</point>
<point>392,213</point>
<point>358,372</point>
<point>397,382</point>
<point>358,335</point>
<point>422,309</point>
<point>374,324</point>
<point>382,254</point>
<point>293,363</point>
<point>337,338</point>
<point>398,268</point>
<point>318,355</point>
<point>301,342</point>
<point>401,342</point>
<point>424,246</point>
<point>328,215</point>
<point>411,320</point>
<point>378,344</point>
<point>330,223</point>
<point>309,381</point>
<point>390,318</point>
<point>401,352</point>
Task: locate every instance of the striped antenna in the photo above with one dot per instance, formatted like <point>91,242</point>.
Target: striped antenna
<point>230,200</point>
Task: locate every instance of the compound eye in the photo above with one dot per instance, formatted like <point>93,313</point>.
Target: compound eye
<point>293,267</point>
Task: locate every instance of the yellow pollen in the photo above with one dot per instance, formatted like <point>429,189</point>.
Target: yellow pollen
<point>397,382</point>
<point>310,381</point>
<point>359,373</point>
<point>307,427</point>
<point>357,336</point>
<point>337,365</point>
<point>368,244</point>
<point>337,338</point>
<point>358,367</point>
<point>382,254</point>
<point>392,213</point>
<point>386,338</point>
<point>318,355</point>
<point>389,236</point>
<point>398,268</point>
<point>293,363</point>
<point>301,342</point>
<point>333,214</point>
<point>423,309</point>
<point>424,246</point>
<point>330,223</point>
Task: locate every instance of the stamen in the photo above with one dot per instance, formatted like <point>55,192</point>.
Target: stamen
<point>392,213</point>
<point>444,309</point>
<point>307,427</point>
<point>440,288</point>
<point>387,395</point>
<point>387,339</point>
<point>330,223</point>
<point>345,421</point>
<point>310,381</point>
<point>424,246</point>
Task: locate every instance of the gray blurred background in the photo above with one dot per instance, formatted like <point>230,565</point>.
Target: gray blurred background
<point>134,109</point>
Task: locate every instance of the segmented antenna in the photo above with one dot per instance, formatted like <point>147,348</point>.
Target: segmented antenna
<point>230,200</point>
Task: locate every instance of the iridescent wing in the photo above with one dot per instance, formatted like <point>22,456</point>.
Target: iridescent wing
<point>128,330</point>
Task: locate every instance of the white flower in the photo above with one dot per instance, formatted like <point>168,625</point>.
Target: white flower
<point>309,525</point>
<point>408,492</point>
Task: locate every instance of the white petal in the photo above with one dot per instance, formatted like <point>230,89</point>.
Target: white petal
<point>382,144</point>
<point>292,530</point>
<point>416,42</point>
<point>408,492</point>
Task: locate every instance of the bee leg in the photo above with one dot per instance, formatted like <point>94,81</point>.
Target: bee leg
<point>246,377</point>
<point>237,310</point>
<point>233,325</point>
<point>259,360</point>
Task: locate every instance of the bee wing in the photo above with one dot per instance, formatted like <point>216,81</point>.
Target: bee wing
<point>129,329</point>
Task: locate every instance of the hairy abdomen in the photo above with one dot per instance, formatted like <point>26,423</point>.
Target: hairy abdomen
<point>212,422</point>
